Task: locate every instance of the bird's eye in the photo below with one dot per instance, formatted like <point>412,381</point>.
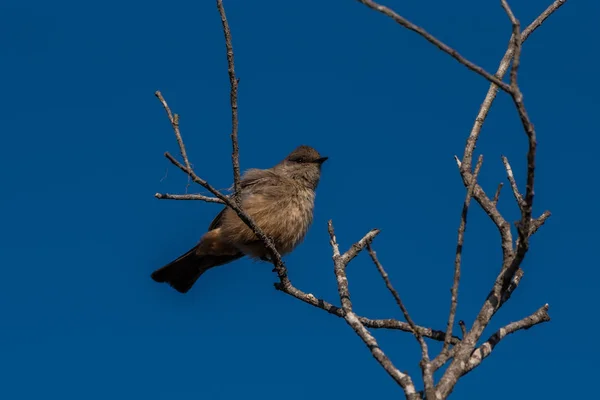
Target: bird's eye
<point>300,160</point>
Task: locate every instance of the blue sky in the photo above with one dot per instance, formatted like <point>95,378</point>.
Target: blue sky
<point>83,136</point>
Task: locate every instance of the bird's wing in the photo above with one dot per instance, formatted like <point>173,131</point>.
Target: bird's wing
<point>254,178</point>
<point>217,221</point>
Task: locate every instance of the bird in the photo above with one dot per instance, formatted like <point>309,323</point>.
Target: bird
<point>280,200</point>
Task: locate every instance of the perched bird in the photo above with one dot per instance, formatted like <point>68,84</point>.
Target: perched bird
<point>280,200</point>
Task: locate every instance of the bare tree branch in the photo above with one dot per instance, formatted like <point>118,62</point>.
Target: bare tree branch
<point>513,183</point>
<point>463,327</point>
<point>516,39</point>
<point>394,293</point>
<point>233,81</point>
<point>310,299</point>
<point>340,262</point>
<point>529,130</point>
<point>493,90</point>
<point>511,260</point>
<point>483,351</point>
<point>491,210</point>
<point>458,258</point>
<point>359,246</point>
<point>436,42</point>
<point>537,223</point>
<point>342,280</point>
<point>425,364</point>
<point>167,196</point>
<point>512,287</point>
<point>497,195</point>
<point>403,379</point>
<point>174,119</point>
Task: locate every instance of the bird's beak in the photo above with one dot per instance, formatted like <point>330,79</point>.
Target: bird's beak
<point>321,160</point>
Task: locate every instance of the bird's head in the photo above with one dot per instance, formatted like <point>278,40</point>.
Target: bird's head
<point>303,164</point>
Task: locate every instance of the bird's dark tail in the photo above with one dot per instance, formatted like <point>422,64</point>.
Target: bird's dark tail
<point>182,273</point>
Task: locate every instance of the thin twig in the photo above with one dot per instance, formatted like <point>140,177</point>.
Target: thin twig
<point>512,287</point>
<point>538,317</point>
<point>513,183</point>
<point>233,81</point>
<point>394,293</point>
<point>174,119</point>
<point>446,353</point>
<point>195,178</point>
<point>463,327</point>
<point>527,204</point>
<point>493,90</point>
<point>425,364</point>
<point>497,195</point>
<point>167,196</point>
<point>538,222</point>
<point>403,379</point>
<point>436,42</point>
<point>340,274</point>
<point>479,194</point>
<point>458,258</point>
<point>340,263</point>
<point>394,324</point>
<point>516,38</point>
<point>342,260</point>
<point>491,210</point>
<point>359,246</point>
<point>524,227</point>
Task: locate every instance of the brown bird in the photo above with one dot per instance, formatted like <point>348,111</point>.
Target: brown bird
<point>280,200</point>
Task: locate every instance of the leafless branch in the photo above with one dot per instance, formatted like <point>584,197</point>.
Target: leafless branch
<point>516,40</point>
<point>458,258</point>
<point>491,210</point>
<point>538,317</point>
<point>497,195</point>
<point>537,223</point>
<point>493,90</point>
<point>513,183</point>
<point>201,197</point>
<point>463,327</point>
<point>511,260</point>
<point>403,379</point>
<point>342,280</point>
<point>436,42</point>
<point>425,363</point>
<point>340,262</point>
<point>174,119</point>
<point>233,81</point>
<point>310,299</point>
<point>359,246</point>
<point>393,291</point>
<point>527,126</point>
<point>512,287</point>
